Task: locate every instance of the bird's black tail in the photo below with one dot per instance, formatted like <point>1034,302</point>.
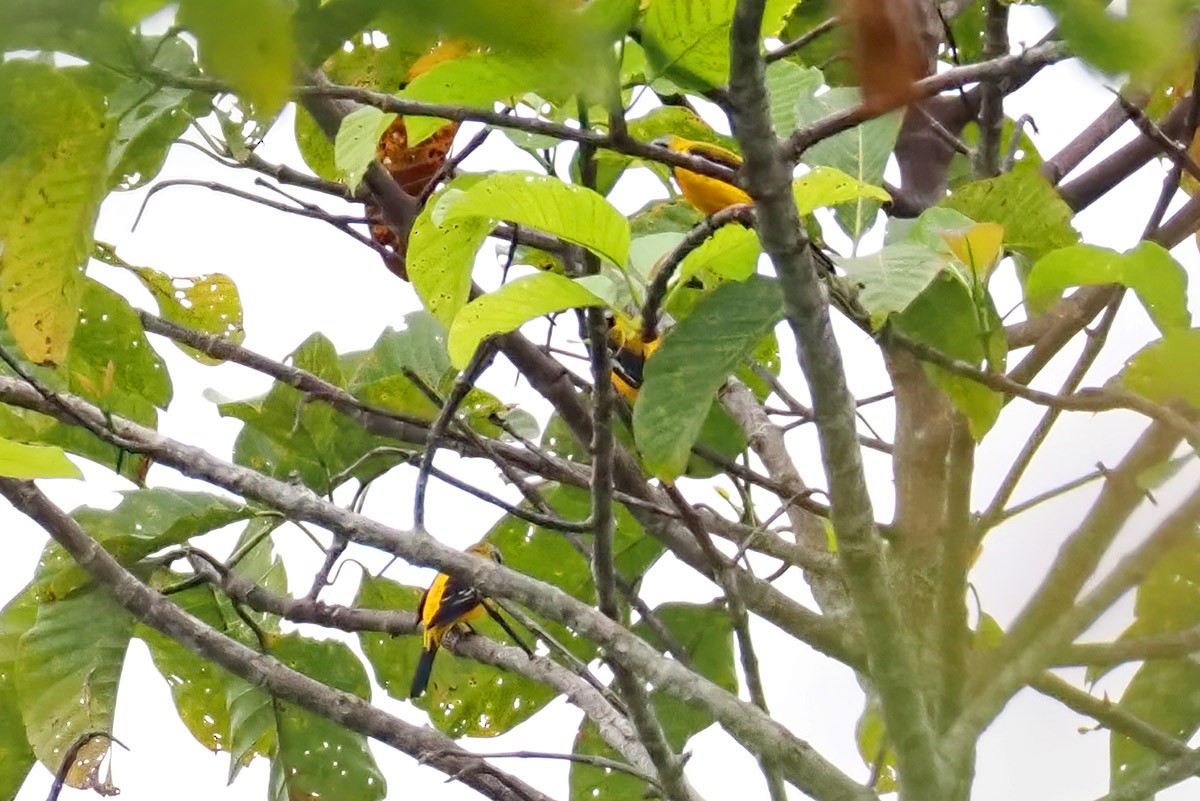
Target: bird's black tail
<point>424,668</point>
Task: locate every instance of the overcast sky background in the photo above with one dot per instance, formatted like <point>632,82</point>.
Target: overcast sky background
<point>296,276</point>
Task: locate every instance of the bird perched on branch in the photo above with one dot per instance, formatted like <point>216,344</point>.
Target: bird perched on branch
<point>447,603</point>
<point>630,352</point>
<point>708,195</point>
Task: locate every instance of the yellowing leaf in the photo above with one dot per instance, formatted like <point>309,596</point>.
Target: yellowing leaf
<point>978,247</point>
<point>51,185</point>
<point>511,305</point>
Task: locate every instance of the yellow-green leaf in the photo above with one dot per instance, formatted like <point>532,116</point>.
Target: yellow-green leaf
<point>52,179</point>
<point>19,460</point>
<point>511,305</point>
<point>248,43</point>
<point>573,213</point>
<point>829,186</point>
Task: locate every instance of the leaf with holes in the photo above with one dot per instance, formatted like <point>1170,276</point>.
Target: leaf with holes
<point>288,437</point>
<point>145,521</point>
<point>705,633</point>
<point>464,698</point>
<point>206,303</point>
<point>52,179</point>
<point>318,758</point>
<point>441,254</point>
<point>68,667</point>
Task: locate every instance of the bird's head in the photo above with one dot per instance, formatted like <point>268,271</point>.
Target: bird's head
<point>487,551</point>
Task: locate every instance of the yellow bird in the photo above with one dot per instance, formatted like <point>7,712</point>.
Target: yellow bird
<point>448,603</point>
<point>708,195</point>
<point>630,353</point>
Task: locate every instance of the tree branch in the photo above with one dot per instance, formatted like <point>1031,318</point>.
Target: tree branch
<point>1004,67</point>
<point>801,764</point>
<point>613,727</point>
<point>860,549</point>
<point>260,669</point>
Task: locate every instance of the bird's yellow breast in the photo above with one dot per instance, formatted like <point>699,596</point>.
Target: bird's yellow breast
<point>708,195</point>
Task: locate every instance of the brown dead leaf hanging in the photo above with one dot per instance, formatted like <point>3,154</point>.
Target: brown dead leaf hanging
<point>413,167</point>
<point>887,50</point>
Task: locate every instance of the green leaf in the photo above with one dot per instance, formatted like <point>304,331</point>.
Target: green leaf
<point>688,40</point>
<point>661,216</point>
<point>706,635</point>
<point>322,26</point>
<point>18,460</point>
<point>255,54</point>
<point>464,698</point>
<point>145,521</point>
<point>861,152</point>
<point>573,213</point>
<point>695,359</point>
<point>354,147</point>
<point>1165,370</point>
<point>111,364</point>
<point>68,666</point>
<point>110,361</point>
<point>149,116</point>
<point>661,121</point>
<point>1036,219</point>
<point>947,317</point>
<point>875,748</point>
<point>1143,40</point>
<point>252,719</point>
<point>318,758</point>
<point>289,438</point>
<point>79,27</point>
<point>731,253</point>
<point>1165,694</point>
<point>1159,281</point>
<point>198,687</point>
<point>829,186</point>
<point>474,81</point>
<point>52,179</point>
<point>546,555</point>
<point>16,756</point>
<point>511,305</point>
<point>890,279</point>
<point>787,83</point>
<point>566,42</point>
<point>441,254</point>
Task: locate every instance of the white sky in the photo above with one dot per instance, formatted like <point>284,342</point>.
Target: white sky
<point>297,276</point>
